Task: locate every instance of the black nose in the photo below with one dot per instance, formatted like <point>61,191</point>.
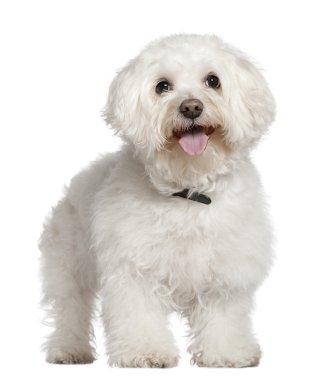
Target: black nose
<point>191,108</point>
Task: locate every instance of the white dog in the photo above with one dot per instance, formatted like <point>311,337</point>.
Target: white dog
<point>175,221</point>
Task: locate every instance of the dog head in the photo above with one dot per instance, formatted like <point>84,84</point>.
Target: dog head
<point>190,100</point>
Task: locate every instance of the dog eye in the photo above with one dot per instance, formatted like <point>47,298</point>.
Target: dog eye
<point>163,86</point>
<point>213,81</point>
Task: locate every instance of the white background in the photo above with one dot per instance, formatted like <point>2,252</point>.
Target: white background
<point>57,60</point>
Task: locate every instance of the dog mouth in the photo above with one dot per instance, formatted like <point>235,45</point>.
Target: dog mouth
<point>194,140</point>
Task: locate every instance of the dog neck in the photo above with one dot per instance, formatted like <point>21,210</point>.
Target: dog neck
<point>173,171</point>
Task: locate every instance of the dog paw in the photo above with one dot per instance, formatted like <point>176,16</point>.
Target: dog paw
<point>62,357</point>
<point>152,360</point>
<point>240,359</point>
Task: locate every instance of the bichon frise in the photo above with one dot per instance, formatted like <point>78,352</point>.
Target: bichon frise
<point>175,221</point>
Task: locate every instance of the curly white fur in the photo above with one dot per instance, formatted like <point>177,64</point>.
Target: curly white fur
<point>120,233</point>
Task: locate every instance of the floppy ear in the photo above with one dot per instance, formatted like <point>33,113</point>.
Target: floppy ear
<point>123,109</point>
<point>250,102</point>
<point>129,107</point>
<point>121,102</point>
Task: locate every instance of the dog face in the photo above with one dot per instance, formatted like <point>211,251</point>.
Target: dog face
<point>190,94</point>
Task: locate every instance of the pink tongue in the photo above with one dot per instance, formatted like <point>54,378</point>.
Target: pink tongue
<point>194,143</point>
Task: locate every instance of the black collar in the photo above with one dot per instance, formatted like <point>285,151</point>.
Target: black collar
<point>195,196</point>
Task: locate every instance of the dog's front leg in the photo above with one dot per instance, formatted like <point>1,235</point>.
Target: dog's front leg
<point>136,324</point>
<point>221,332</point>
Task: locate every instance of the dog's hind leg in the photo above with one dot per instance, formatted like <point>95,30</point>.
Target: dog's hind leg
<point>68,287</point>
